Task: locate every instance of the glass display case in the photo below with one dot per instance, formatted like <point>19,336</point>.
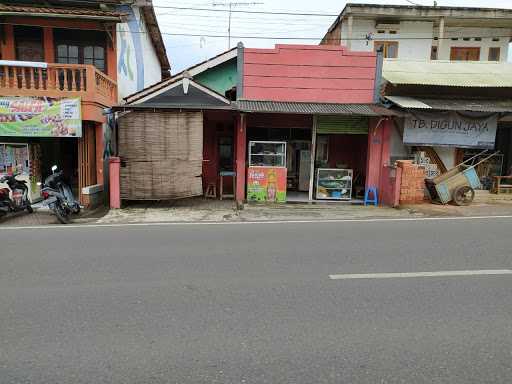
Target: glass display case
<point>334,184</point>
<point>267,154</point>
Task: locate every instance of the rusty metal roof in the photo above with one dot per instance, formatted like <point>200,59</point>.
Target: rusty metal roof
<point>473,105</point>
<point>59,12</point>
<point>305,108</point>
<point>478,74</point>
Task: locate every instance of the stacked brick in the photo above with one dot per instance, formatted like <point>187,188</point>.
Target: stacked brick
<point>412,189</point>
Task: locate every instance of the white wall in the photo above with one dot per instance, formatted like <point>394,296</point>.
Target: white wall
<point>485,44</point>
<point>407,49</point>
<point>137,62</point>
<point>420,49</point>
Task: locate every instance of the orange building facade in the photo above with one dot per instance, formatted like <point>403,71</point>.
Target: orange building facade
<point>58,70</point>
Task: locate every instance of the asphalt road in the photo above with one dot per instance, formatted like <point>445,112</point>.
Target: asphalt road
<point>253,303</point>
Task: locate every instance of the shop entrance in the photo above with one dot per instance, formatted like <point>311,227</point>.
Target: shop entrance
<point>285,154</point>
<point>341,158</point>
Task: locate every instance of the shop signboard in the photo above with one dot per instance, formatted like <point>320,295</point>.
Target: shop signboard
<point>40,117</point>
<point>468,130</point>
<point>266,184</point>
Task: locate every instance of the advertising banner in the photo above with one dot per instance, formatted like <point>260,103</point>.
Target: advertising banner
<point>40,117</point>
<point>266,184</point>
<point>468,130</point>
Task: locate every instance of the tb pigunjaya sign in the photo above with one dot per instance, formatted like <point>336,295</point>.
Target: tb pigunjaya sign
<point>40,117</point>
<point>468,130</point>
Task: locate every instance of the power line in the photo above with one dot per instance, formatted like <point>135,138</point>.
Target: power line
<point>286,37</point>
<point>251,12</point>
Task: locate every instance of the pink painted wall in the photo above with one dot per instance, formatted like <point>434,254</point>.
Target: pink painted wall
<point>240,155</point>
<point>114,182</point>
<point>378,157</point>
<point>308,73</point>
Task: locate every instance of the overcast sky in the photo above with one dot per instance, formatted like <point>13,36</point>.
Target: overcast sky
<point>185,51</point>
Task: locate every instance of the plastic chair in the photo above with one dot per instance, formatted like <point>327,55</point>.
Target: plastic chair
<point>374,200</point>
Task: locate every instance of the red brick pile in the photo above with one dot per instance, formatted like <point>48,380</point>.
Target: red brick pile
<point>412,189</point>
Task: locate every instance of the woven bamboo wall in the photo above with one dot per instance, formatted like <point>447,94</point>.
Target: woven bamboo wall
<point>161,154</point>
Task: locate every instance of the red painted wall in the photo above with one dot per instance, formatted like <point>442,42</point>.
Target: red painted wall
<point>350,150</point>
<point>378,156</point>
<point>308,73</point>
<point>216,124</point>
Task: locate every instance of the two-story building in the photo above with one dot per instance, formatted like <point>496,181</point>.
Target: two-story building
<point>445,72</point>
<point>424,32</point>
<point>62,63</point>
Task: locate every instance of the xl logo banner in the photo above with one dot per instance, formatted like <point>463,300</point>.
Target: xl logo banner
<point>471,130</point>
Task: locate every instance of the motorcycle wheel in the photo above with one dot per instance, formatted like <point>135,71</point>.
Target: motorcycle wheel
<point>62,215</point>
<point>76,209</point>
<point>30,209</point>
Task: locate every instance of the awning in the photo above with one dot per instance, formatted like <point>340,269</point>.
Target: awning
<point>306,108</point>
<point>491,106</point>
<point>480,74</point>
<point>348,125</point>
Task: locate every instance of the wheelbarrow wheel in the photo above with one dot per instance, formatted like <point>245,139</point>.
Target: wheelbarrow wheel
<point>463,195</point>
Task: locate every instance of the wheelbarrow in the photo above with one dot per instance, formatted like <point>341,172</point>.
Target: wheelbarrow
<point>458,184</point>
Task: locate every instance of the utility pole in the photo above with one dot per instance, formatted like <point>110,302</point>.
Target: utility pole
<point>230,5</point>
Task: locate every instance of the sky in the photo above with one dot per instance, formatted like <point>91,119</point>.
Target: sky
<point>257,30</point>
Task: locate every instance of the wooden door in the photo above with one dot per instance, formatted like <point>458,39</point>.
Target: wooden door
<point>465,54</point>
<point>86,158</point>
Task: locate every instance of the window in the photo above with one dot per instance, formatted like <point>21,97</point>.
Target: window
<point>226,153</point>
<point>465,54</point>
<point>86,47</point>
<point>29,43</point>
<point>389,48</point>
<point>433,53</point>
<point>494,54</point>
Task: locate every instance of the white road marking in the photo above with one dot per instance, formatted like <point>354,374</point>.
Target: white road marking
<point>481,272</point>
<point>165,224</point>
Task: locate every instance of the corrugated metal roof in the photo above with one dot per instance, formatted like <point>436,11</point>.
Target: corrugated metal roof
<point>452,104</point>
<point>55,11</point>
<point>448,73</point>
<point>305,108</point>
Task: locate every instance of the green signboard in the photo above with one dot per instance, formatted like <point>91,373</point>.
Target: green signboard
<point>40,117</point>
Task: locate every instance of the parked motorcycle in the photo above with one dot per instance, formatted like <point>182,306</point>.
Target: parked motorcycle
<point>57,194</point>
<point>15,198</point>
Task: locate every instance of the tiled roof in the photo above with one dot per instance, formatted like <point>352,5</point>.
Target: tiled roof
<point>478,74</point>
<point>47,11</point>
<point>305,108</point>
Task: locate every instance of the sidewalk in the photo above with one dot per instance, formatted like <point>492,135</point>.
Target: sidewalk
<point>198,209</point>
<point>205,210</point>
<point>43,216</point>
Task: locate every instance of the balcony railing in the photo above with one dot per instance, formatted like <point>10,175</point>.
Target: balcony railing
<point>58,80</point>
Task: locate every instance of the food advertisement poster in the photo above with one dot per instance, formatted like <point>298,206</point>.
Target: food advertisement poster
<point>40,117</point>
<point>266,184</point>
<point>14,158</point>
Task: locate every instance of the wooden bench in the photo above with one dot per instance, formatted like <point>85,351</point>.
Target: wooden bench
<point>501,187</point>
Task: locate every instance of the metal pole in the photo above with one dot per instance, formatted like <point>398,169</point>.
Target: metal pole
<point>313,157</point>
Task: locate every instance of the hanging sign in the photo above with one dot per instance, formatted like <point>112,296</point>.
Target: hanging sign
<point>40,117</point>
<point>468,130</point>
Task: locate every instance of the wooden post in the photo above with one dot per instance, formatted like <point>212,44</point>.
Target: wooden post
<point>49,48</point>
<point>8,49</point>
<point>241,148</point>
<point>313,157</point>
